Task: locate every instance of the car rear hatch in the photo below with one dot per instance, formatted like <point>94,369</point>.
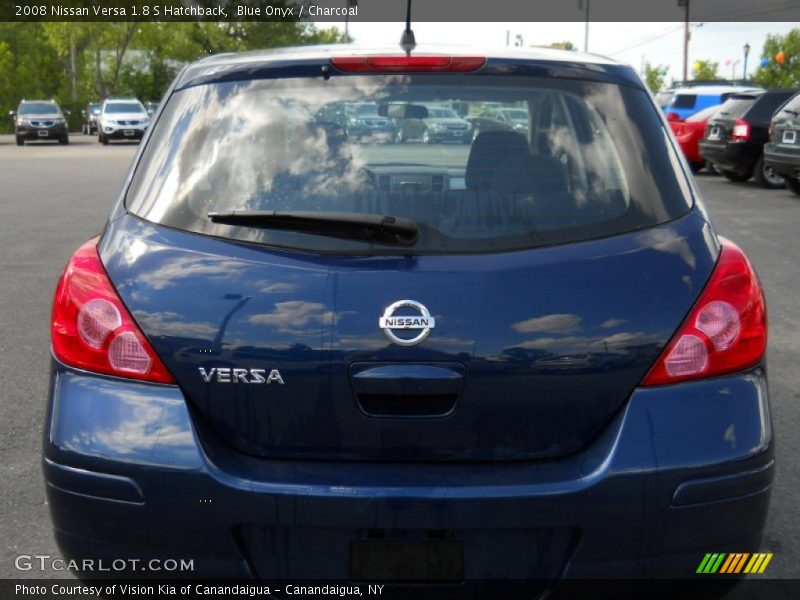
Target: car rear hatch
<point>547,273</point>
<point>531,353</point>
<point>720,127</point>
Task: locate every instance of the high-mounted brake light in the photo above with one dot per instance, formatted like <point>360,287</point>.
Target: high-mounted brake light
<point>741,130</point>
<point>408,64</point>
<point>725,331</point>
<point>90,327</point>
<point>673,116</point>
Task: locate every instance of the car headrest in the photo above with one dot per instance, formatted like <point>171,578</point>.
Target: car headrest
<point>525,174</point>
<point>488,150</point>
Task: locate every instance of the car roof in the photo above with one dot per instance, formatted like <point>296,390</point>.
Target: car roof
<point>254,64</point>
<point>714,89</point>
<point>330,50</point>
<point>306,61</point>
<point>782,91</point>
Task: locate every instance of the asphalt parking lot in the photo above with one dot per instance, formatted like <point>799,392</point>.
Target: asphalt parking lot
<point>54,197</point>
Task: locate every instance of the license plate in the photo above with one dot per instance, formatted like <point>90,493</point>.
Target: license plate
<point>385,560</point>
<point>714,134</point>
<point>789,137</point>
<point>42,133</point>
<point>128,132</point>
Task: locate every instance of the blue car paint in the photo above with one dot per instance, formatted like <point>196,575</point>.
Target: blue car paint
<point>214,304</point>
<point>631,488</point>
<point>609,510</point>
<point>702,102</point>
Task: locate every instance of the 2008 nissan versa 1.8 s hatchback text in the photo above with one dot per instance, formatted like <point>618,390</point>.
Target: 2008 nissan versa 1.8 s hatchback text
<point>295,354</point>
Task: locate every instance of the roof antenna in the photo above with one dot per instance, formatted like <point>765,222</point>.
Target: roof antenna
<point>407,41</point>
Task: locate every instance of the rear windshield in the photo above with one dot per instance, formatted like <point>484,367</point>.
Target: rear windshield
<point>594,161</point>
<point>124,107</point>
<point>684,101</point>
<point>735,106</point>
<point>38,108</point>
<point>791,108</point>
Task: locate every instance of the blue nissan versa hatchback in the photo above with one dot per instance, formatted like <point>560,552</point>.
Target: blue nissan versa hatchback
<point>295,354</point>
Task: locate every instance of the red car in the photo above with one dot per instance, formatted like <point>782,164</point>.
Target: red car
<point>689,133</point>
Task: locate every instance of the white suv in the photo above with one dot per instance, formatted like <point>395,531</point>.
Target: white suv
<point>124,119</point>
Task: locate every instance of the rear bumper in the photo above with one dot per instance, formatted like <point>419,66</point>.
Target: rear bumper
<point>739,157</point>
<point>782,162</point>
<point>681,471</point>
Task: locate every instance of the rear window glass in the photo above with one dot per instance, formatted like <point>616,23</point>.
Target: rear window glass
<point>684,101</point>
<point>736,106</point>
<point>791,108</point>
<point>593,161</point>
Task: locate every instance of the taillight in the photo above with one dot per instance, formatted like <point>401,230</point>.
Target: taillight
<point>90,327</point>
<point>407,64</point>
<point>741,130</point>
<point>725,331</point>
<point>672,116</point>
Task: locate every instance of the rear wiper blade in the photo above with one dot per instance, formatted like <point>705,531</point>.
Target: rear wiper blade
<point>339,224</point>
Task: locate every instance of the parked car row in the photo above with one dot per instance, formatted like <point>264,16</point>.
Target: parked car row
<point>739,132</point>
<point>112,119</point>
<point>736,134</point>
<point>431,124</point>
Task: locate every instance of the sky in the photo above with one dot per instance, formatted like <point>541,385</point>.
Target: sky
<point>630,43</point>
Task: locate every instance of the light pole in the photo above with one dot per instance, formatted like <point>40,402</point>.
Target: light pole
<point>684,4</point>
<point>581,4</point>
<point>744,68</point>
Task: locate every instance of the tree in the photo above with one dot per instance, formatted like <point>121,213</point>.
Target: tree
<point>706,70</point>
<point>654,76</point>
<point>76,63</point>
<point>774,74</point>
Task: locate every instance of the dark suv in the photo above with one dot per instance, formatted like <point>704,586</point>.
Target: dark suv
<point>39,120</point>
<point>782,153</point>
<point>90,115</point>
<point>734,138</point>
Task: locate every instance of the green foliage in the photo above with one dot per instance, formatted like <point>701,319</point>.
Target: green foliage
<point>775,75</point>
<point>706,70</point>
<point>77,63</point>
<point>654,76</point>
